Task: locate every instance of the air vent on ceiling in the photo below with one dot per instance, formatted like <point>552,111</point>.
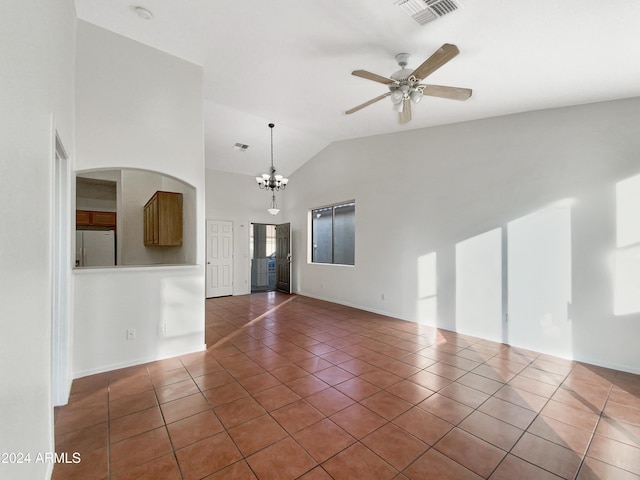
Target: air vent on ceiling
<point>425,11</point>
<point>241,146</point>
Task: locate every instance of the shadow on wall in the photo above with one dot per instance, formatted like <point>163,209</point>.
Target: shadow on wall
<point>514,284</point>
<point>537,280</point>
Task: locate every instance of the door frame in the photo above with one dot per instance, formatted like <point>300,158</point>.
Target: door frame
<point>60,273</point>
<point>289,258</point>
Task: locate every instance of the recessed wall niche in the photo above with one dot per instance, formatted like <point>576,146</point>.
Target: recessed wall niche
<point>125,192</point>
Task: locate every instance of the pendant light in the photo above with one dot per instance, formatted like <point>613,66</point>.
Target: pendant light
<point>273,208</point>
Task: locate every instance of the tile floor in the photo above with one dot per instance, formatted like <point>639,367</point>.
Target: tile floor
<point>291,387</point>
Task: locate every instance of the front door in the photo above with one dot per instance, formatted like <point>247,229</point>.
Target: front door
<point>219,258</point>
<point>283,258</point>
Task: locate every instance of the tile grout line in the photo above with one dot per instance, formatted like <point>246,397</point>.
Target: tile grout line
<point>525,430</point>
<point>290,435</point>
<point>466,416</point>
<point>295,332</point>
<point>593,434</point>
<point>109,430</point>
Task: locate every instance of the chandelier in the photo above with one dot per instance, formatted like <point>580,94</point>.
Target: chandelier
<point>271,181</point>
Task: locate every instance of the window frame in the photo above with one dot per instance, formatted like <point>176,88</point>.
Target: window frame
<point>333,207</point>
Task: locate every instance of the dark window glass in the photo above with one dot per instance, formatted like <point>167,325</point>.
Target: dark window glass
<point>333,234</point>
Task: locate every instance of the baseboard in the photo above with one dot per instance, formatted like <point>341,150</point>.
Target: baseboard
<point>131,363</point>
<point>594,362</point>
<point>353,305</point>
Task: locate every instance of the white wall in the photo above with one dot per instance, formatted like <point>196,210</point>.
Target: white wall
<point>237,198</point>
<point>164,305</point>
<point>141,108</point>
<point>36,48</point>
<point>424,191</point>
<point>138,187</point>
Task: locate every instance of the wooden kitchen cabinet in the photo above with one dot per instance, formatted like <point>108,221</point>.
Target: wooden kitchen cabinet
<point>89,218</point>
<point>163,220</point>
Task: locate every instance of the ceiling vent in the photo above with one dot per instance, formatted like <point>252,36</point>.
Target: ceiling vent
<point>241,147</point>
<point>425,11</point>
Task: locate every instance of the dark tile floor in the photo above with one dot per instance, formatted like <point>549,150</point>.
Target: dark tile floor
<point>292,387</point>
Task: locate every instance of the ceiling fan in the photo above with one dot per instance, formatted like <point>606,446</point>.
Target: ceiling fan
<point>405,87</point>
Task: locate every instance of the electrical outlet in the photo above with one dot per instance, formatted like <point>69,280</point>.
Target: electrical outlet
<point>131,334</point>
<point>382,296</point>
<point>162,329</point>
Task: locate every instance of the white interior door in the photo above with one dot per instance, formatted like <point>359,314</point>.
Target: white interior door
<point>539,281</point>
<point>219,258</point>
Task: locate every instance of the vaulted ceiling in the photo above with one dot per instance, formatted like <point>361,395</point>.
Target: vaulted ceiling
<point>290,61</point>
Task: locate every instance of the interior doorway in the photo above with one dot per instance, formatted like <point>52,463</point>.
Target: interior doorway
<point>270,252</point>
<point>60,268</point>
<point>262,247</point>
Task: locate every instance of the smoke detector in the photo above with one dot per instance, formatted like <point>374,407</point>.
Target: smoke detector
<point>425,11</point>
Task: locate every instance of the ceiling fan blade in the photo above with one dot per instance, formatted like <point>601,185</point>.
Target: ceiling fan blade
<point>373,76</point>
<point>452,93</point>
<point>445,53</point>
<point>366,104</point>
<point>405,115</point>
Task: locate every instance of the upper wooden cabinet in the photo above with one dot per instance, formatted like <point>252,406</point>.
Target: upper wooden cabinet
<point>90,218</point>
<point>163,220</point>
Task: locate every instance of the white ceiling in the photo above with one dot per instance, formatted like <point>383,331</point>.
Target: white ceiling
<point>289,62</point>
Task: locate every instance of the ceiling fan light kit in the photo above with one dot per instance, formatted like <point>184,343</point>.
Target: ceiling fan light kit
<point>405,87</point>
<point>272,181</point>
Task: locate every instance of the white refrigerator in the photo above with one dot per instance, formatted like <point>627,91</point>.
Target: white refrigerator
<point>95,248</point>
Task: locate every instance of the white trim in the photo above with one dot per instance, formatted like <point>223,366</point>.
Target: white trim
<point>134,268</point>
<point>359,307</point>
<point>132,363</point>
<point>61,325</point>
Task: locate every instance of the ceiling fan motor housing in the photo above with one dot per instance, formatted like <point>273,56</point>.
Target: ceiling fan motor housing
<point>405,84</point>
